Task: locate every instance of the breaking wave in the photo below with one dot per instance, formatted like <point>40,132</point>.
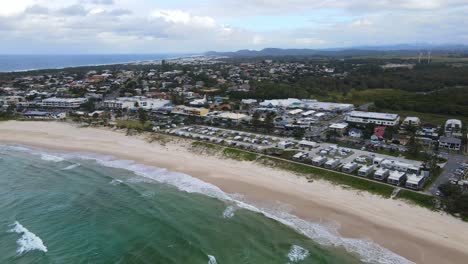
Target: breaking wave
<point>71,167</point>
<point>367,250</point>
<point>297,253</point>
<point>28,240</point>
<point>229,212</point>
<point>212,260</point>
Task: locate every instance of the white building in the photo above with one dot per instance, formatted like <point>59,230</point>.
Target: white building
<point>453,128</point>
<point>450,143</point>
<point>350,167</point>
<point>305,144</point>
<point>319,161</point>
<point>332,164</point>
<point>373,118</point>
<point>396,177</point>
<point>325,106</point>
<point>381,174</point>
<point>365,171</point>
<point>281,102</point>
<point>411,121</point>
<point>414,181</point>
<point>140,101</point>
<point>55,102</point>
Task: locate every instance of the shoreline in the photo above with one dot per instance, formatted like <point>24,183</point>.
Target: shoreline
<point>413,232</point>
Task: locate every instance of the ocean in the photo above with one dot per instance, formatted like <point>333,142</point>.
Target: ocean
<point>59,207</point>
<point>9,63</point>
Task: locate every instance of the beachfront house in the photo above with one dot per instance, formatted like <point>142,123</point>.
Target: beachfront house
<point>332,164</point>
<point>350,167</point>
<point>300,156</point>
<point>308,145</point>
<point>365,171</point>
<point>381,174</point>
<point>285,144</point>
<point>414,181</point>
<point>319,161</point>
<point>396,177</point>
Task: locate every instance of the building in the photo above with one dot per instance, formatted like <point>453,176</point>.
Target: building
<point>379,133</point>
<point>283,103</point>
<point>411,121</point>
<point>453,128</point>
<point>308,145</point>
<point>236,117</point>
<point>384,119</point>
<point>355,133</point>
<point>350,167</point>
<point>396,177</point>
<point>381,174</point>
<point>117,104</point>
<point>44,115</point>
<point>319,161</point>
<point>414,181</point>
<point>332,164</point>
<point>338,128</point>
<point>450,143</point>
<point>191,111</point>
<point>136,101</point>
<point>365,171</point>
<point>285,144</point>
<point>55,102</point>
<point>325,106</point>
<point>399,166</point>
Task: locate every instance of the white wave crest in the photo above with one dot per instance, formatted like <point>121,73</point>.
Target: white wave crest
<point>212,260</point>
<point>28,240</point>
<point>115,182</point>
<point>229,212</point>
<point>367,250</point>
<point>48,157</point>
<point>71,167</point>
<point>297,253</point>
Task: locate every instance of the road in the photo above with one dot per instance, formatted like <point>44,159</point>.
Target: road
<point>453,163</point>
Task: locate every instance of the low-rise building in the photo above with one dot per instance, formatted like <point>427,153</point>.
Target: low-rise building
<point>308,145</point>
<point>350,167</point>
<point>55,102</point>
<point>414,181</point>
<point>332,164</point>
<point>381,174</point>
<point>411,121</point>
<point>453,128</point>
<point>339,128</point>
<point>450,143</point>
<point>384,119</point>
<point>355,133</point>
<point>319,161</point>
<point>365,171</point>
<point>396,177</point>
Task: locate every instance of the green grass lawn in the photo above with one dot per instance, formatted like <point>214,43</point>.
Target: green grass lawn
<point>239,154</point>
<point>417,198</point>
<point>132,124</point>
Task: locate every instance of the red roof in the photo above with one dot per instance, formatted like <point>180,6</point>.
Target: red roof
<point>379,132</point>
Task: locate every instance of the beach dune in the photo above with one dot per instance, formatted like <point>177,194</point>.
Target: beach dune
<point>415,233</point>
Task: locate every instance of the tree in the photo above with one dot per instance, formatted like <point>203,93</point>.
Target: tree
<point>89,106</point>
<point>270,121</point>
<point>142,116</point>
<point>256,120</point>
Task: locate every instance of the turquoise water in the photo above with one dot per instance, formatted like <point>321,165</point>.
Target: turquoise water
<point>84,208</point>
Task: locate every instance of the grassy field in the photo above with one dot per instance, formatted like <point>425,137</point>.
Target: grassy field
<point>131,124</point>
<point>418,199</point>
<point>239,154</point>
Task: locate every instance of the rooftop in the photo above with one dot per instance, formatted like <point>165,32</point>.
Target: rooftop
<point>373,115</point>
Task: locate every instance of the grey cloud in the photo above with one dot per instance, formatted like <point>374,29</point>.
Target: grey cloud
<point>37,10</point>
<point>73,10</point>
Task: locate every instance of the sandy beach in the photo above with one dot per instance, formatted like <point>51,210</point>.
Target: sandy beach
<point>415,233</point>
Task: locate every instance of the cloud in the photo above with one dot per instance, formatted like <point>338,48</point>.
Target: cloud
<point>74,10</point>
<point>74,26</point>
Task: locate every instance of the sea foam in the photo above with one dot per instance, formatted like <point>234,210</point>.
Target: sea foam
<point>366,250</point>
<point>52,158</point>
<point>71,167</point>
<point>297,253</point>
<point>28,240</point>
<point>229,212</point>
<point>212,260</point>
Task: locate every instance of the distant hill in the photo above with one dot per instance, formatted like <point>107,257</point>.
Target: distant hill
<point>401,49</point>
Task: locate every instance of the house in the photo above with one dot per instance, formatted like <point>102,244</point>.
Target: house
<point>411,121</point>
<point>355,133</point>
<point>285,144</point>
<point>401,139</point>
<point>453,128</point>
<point>379,133</point>
<point>365,171</point>
<point>396,177</point>
<point>319,161</point>
<point>332,164</point>
<point>414,181</point>
<point>338,128</point>
<point>300,156</point>
<point>450,143</point>
<point>350,167</point>
<point>309,145</point>
<point>361,117</point>
<point>191,111</point>
<point>235,117</point>
<point>381,174</point>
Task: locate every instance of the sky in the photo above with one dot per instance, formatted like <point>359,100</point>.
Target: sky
<point>183,26</point>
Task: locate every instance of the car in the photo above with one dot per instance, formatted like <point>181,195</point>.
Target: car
<point>438,193</point>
